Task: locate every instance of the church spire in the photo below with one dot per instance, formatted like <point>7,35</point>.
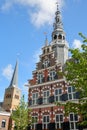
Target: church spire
<point>58,32</point>
<point>14,80</point>
<point>58,22</point>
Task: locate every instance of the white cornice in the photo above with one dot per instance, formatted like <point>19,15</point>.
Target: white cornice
<point>46,83</point>
<point>42,106</point>
<point>2,113</point>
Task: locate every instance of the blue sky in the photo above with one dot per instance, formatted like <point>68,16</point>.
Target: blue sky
<point>22,27</point>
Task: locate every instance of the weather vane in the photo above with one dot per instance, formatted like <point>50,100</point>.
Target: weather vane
<point>57,5</point>
<point>45,33</point>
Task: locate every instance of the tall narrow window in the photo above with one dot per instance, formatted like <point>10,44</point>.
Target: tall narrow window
<point>34,98</point>
<point>52,74</point>
<point>40,78</point>
<point>73,119</point>
<point>46,97</point>
<point>71,93</point>
<point>34,119</point>
<point>46,63</point>
<point>3,123</point>
<point>46,121</point>
<point>59,121</point>
<point>58,93</point>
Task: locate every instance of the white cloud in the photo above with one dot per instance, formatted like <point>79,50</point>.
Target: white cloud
<point>7,71</point>
<point>41,11</point>
<point>77,44</point>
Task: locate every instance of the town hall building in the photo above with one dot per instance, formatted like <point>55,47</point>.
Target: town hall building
<point>48,86</point>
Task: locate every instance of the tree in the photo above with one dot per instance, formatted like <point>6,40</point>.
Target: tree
<point>76,68</point>
<point>20,116</point>
<point>75,72</point>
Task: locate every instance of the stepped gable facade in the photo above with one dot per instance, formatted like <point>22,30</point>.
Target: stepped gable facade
<point>48,85</point>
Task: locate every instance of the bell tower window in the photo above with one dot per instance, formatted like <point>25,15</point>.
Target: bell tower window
<point>55,37</point>
<point>60,36</point>
<point>63,38</point>
<point>44,51</point>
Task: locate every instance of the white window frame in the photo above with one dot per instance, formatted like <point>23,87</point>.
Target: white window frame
<point>72,93</point>
<point>58,95</point>
<point>73,121</point>
<point>45,123</point>
<point>52,75</point>
<point>40,77</point>
<point>46,62</point>
<point>46,96</point>
<point>3,126</point>
<point>34,99</point>
<point>58,122</point>
<point>33,126</point>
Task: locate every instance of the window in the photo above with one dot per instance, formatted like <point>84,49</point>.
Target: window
<point>8,96</point>
<point>3,124</point>
<point>60,36</point>
<point>55,37</point>
<point>34,119</point>
<point>40,78</point>
<point>34,98</point>
<point>71,93</point>
<point>46,97</point>
<point>58,93</point>
<point>59,121</point>
<point>46,121</point>
<point>73,119</point>
<point>52,74</point>
<point>46,63</point>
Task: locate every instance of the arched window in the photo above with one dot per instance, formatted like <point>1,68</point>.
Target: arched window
<point>60,36</point>
<point>3,123</point>
<point>55,37</point>
<point>47,49</point>
<point>44,51</point>
<point>63,38</point>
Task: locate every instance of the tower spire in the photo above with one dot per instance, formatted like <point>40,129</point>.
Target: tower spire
<point>14,80</point>
<point>58,25</point>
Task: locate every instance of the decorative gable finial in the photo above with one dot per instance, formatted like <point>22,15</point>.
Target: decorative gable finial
<point>46,41</point>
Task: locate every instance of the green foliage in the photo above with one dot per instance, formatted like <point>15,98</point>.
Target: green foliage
<point>21,116</point>
<point>76,68</point>
<point>76,74</point>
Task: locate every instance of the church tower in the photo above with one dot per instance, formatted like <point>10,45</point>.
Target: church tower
<point>59,43</point>
<point>12,93</point>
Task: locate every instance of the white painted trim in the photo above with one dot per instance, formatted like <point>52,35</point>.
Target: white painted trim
<point>43,106</point>
<point>51,105</point>
<point>5,114</point>
<point>46,83</point>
